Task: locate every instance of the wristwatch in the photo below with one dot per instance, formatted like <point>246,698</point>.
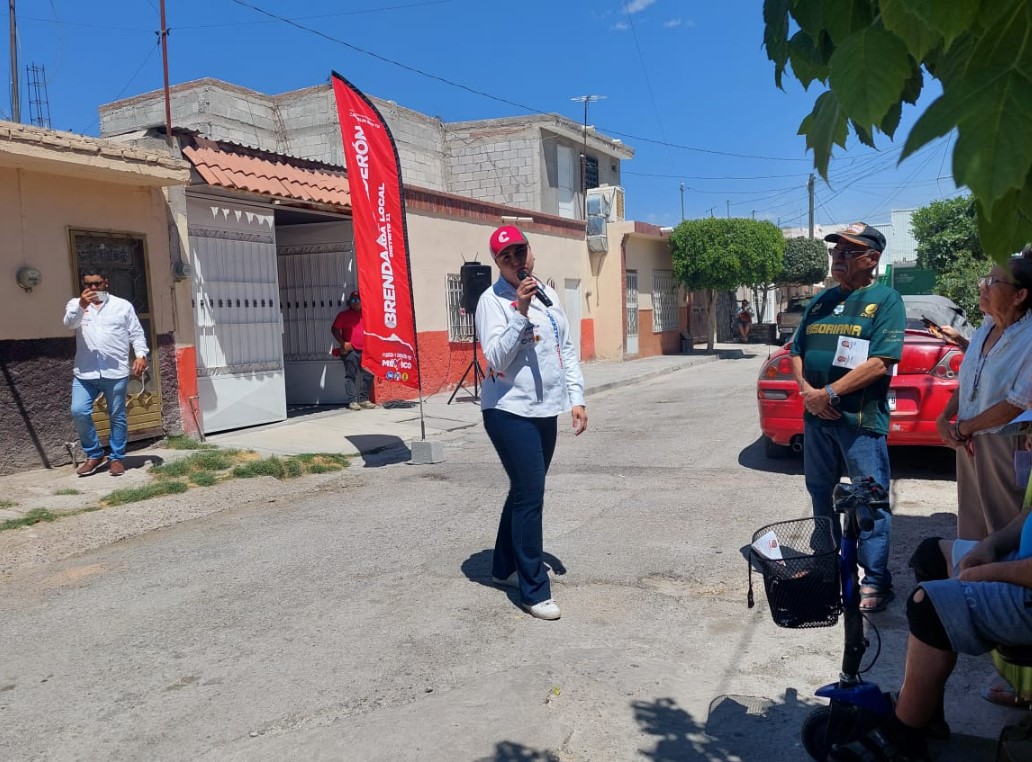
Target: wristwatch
<point>833,397</point>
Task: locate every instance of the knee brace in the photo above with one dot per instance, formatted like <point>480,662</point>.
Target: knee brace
<point>924,621</point>
<point>928,561</point>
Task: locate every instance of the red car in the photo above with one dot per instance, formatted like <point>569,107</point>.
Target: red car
<point>922,383</point>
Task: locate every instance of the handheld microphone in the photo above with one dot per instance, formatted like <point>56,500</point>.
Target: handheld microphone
<point>539,293</point>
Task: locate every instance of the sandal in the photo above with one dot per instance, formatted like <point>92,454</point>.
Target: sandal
<point>882,597</point>
<point>873,747</point>
<point>1003,695</point>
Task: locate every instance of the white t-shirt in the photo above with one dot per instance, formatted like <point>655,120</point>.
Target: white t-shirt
<point>103,333</point>
<point>533,369</point>
<point>1002,374</point>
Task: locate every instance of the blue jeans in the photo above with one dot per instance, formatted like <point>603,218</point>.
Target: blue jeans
<point>357,380</point>
<point>525,446</point>
<point>84,392</point>
<point>831,452</point>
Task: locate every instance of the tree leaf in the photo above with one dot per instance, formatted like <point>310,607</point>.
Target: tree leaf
<point>1007,225</point>
<point>914,84</point>
<point>868,72</point>
<point>807,63</point>
<point>919,37</point>
<point>950,18</point>
<point>826,126</point>
<point>891,121</point>
<point>993,153</point>
<point>809,15</point>
<point>937,120</point>
<point>843,18</point>
<point>863,135</point>
<point>775,35</point>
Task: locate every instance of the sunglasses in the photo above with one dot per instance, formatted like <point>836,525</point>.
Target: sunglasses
<point>92,283</point>
<point>850,253</point>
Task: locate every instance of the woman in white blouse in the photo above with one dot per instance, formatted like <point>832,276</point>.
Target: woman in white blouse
<point>993,389</point>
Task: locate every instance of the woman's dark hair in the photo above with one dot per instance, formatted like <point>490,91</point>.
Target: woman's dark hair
<point>1021,270</point>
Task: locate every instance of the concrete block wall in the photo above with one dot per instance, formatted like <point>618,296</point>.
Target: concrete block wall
<point>495,165</point>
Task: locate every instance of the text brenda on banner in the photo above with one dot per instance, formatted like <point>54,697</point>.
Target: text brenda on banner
<point>381,253</point>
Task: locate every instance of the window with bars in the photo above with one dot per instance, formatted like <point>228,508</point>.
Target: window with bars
<point>460,324</point>
<point>664,301</point>
<point>590,172</point>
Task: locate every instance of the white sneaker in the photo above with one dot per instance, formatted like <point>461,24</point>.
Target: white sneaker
<point>545,610</point>
<point>511,581</point>
<point>354,406</point>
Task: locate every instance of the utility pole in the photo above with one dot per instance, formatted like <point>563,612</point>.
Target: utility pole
<point>164,65</point>
<point>585,99</point>
<point>682,202</point>
<point>754,214</point>
<point>729,208</point>
<point>809,188</point>
<point>15,105</point>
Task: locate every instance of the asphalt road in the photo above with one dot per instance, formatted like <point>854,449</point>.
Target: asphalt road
<point>350,617</point>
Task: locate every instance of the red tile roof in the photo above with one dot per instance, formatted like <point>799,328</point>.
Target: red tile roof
<point>237,167</point>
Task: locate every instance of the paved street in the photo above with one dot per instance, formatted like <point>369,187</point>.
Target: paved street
<point>350,616</point>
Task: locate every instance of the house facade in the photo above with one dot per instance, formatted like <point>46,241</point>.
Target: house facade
<point>67,202</point>
<point>271,246</point>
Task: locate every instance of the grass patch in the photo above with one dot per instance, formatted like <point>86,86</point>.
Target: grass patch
<point>68,491</point>
<point>136,494</point>
<point>35,516</point>
<point>205,460</point>
<point>291,467</point>
<point>7,504</point>
<point>204,478</point>
<point>186,443</point>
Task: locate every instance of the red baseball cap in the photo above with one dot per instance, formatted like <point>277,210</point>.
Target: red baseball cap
<point>504,237</point>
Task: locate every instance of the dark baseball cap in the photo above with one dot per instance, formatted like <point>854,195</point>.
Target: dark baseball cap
<point>861,234</point>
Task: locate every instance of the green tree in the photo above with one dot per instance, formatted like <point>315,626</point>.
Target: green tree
<point>716,254</point>
<point>943,229</point>
<point>806,262</point>
<point>959,282</point>
<point>872,56</point>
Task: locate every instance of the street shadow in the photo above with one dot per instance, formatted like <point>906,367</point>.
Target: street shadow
<point>140,461</point>
<point>477,567</point>
<point>300,411</point>
<point>399,404</point>
<point>508,751</point>
<point>755,729</point>
<point>379,450</point>
<point>930,463</point>
<point>754,458</point>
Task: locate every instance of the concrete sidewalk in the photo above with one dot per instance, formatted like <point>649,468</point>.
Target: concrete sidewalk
<point>384,433</point>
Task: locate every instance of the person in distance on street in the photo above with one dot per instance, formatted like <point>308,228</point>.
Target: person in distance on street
<point>105,327</point>
<point>349,332</point>
<point>533,375</point>
<point>744,321</point>
<point>842,356</point>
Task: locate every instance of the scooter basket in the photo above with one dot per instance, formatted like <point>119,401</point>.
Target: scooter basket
<point>802,581</point>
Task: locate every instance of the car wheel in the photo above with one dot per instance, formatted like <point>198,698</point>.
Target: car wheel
<point>775,451</point>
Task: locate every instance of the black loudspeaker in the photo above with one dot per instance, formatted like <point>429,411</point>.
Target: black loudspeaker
<point>476,279</point>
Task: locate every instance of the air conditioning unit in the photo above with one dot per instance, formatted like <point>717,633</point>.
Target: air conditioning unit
<point>606,201</point>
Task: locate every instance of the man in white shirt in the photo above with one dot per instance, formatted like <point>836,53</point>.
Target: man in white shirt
<point>104,326</point>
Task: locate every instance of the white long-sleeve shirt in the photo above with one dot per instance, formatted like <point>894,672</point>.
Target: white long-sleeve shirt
<point>533,369</point>
<point>103,334</point>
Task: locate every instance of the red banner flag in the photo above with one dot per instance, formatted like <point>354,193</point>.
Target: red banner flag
<point>381,237</point>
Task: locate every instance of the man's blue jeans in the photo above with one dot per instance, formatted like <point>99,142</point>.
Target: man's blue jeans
<point>831,452</point>
<point>525,447</point>
<point>84,392</point>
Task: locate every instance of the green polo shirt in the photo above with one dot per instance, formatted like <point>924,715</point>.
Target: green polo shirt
<point>874,314</point>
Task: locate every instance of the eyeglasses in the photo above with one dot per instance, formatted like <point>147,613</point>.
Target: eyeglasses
<point>851,253</point>
<point>92,283</point>
<point>989,280</point>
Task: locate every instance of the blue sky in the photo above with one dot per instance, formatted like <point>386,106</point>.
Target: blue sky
<point>686,83</point>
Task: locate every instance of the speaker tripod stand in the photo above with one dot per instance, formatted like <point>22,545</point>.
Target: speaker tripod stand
<point>475,369</point>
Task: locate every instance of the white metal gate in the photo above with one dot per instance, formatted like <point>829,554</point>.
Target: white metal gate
<point>632,312</point>
<point>236,314</point>
<point>573,312</point>
<point>316,274</point>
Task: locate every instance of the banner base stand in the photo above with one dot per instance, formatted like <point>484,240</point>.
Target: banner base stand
<point>425,452</point>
